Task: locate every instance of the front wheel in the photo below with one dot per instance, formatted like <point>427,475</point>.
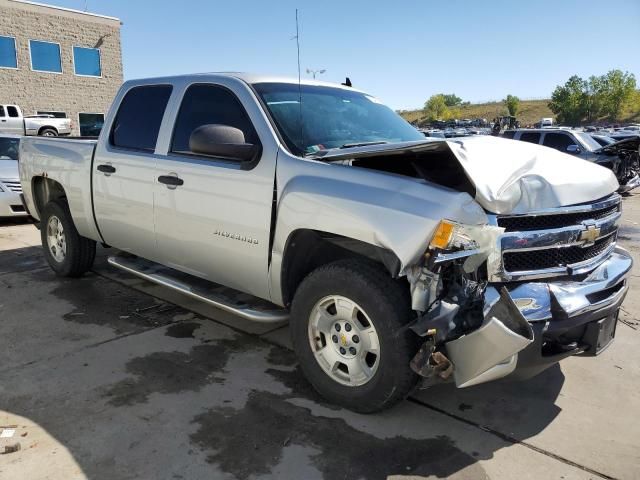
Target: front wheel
<point>67,253</point>
<point>349,332</point>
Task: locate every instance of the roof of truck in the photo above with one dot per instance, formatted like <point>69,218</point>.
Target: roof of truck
<point>251,78</point>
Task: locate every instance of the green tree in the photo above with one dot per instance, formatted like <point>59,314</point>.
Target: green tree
<point>513,104</point>
<point>570,101</point>
<point>436,108</point>
<point>618,90</point>
<point>452,100</point>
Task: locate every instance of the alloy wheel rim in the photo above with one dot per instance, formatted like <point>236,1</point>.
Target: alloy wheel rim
<point>56,239</point>
<point>344,341</point>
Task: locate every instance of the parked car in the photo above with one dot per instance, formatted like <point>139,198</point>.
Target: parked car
<point>433,133</point>
<point>394,257</point>
<point>583,145</point>
<point>12,121</point>
<point>10,189</point>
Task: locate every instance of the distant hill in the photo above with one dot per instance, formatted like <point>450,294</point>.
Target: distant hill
<point>531,111</point>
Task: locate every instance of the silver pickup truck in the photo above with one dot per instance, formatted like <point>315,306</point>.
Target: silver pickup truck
<point>397,260</point>
<point>12,121</point>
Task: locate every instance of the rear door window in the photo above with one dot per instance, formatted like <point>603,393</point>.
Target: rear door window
<point>137,123</point>
<point>559,141</point>
<point>531,137</point>
<point>12,111</point>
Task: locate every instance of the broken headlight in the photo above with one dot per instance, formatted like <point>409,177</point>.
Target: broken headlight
<point>452,241</point>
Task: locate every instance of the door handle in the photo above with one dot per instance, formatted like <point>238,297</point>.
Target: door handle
<point>109,169</point>
<point>170,181</point>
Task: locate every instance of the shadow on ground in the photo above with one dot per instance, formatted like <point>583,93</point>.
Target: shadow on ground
<point>183,397</point>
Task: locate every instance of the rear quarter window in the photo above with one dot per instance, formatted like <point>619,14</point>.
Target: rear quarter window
<point>531,137</point>
<point>137,123</point>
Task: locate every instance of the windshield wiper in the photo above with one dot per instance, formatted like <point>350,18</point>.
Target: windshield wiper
<point>362,144</point>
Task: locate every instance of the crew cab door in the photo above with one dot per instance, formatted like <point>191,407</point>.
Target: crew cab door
<point>214,219</point>
<point>124,170</point>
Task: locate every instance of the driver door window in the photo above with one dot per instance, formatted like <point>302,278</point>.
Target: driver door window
<point>209,105</point>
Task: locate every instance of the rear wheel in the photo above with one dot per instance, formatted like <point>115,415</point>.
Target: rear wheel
<point>68,253</point>
<point>349,331</point>
<point>49,132</point>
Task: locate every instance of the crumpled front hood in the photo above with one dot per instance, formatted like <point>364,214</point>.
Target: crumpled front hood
<point>9,169</point>
<point>512,176</point>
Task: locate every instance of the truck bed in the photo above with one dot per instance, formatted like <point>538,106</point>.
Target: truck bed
<point>67,161</point>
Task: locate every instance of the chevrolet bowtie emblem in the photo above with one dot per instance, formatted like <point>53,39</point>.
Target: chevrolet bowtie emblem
<point>590,235</point>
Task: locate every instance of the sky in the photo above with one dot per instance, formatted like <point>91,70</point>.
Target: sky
<point>402,51</point>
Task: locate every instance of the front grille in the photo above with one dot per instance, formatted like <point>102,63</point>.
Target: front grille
<point>12,185</point>
<point>527,260</point>
<point>544,222</point>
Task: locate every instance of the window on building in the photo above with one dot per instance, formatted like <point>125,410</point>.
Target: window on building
<point>8,58</point>
<point>138,120</point>
<point>53,114</point>
<point>531,137</point>
<point>86,61</point>
<point>45,56</point>
<point>90,124</point>
<point>209,104</point>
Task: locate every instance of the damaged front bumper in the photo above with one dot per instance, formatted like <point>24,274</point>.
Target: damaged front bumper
<point>631,184</point>
<point>529,326</point>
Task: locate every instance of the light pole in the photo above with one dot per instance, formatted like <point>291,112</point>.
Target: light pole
<point>315,72</point>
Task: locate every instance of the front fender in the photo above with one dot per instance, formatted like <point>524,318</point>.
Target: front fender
<point>389,211</point>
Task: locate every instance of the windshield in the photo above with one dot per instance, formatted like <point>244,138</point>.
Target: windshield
<point>9,148</point>
<point>588,141</point>
<point>331,118</point>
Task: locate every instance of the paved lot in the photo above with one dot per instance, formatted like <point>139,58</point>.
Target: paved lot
<point>109,377</point>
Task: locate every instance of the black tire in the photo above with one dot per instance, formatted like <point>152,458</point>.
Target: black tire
<point>387,304</point>
<point>80,251</point>
<point>48,132</point>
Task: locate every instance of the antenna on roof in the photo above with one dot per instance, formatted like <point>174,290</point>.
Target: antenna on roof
<point>347,83</point>
<point>297,37</point>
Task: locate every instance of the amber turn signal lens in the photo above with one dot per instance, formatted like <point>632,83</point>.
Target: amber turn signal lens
<point>443,235</point>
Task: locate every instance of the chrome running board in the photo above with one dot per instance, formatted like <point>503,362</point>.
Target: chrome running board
<point>244,305</point>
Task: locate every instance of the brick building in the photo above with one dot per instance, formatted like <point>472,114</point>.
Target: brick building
<point>59,61</point>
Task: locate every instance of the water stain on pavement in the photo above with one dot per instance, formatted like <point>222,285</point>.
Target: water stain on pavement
<point>122,309</point>
<point>182,330</point>
<point>250,442</point>
<point>174,372</point>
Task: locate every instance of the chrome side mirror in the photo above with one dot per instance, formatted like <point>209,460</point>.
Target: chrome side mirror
<point>574,149</point>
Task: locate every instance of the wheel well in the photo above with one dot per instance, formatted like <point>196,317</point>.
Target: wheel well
<point>47,128</point>
<point>307,250</point>
<point>45,190</point>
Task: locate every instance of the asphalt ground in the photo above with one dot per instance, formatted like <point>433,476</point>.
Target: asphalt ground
<point>110,377</point>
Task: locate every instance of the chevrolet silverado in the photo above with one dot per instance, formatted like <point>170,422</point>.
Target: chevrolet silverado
<point>398,260</point>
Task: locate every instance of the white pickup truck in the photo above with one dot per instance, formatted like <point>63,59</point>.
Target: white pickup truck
<point>397,260</point>
<point>14,122</point>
